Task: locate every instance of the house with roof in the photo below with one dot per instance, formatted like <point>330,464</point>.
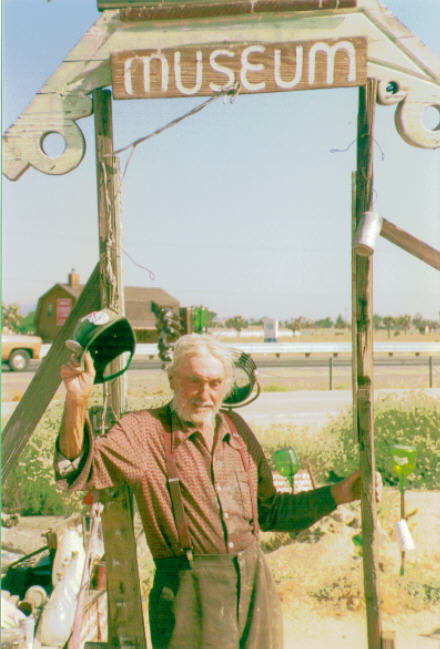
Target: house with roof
<point>55,305</point>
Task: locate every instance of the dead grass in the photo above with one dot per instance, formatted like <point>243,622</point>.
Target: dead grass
<point>322,568</point>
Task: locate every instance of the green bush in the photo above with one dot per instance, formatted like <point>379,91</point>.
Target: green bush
<point>412,419</point>
<point>320,454</point>
<point>30,488</point>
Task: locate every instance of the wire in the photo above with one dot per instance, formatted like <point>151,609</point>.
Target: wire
<point>150,272</point>
<point>353,142</point>
<point>231,92</point>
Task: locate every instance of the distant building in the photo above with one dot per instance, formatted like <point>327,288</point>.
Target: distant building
<point>55,305</point>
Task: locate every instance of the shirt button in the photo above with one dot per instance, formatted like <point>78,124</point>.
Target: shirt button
<point>218,487</point>
<point>230,545</point>
<point>226,515</point>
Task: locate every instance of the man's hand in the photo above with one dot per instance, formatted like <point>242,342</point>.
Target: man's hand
<point>349,489</point>
<point>78,381</point>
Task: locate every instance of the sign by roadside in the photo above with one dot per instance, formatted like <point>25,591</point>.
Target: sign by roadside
<point>270,330</point>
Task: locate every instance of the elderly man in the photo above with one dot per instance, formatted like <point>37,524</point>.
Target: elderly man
<point>204,489</point>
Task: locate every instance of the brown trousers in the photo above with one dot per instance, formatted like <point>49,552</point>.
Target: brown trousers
<point>219,602</point>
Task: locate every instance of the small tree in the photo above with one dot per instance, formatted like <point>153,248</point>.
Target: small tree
<point>11,319</point>
<point>324,323</point>
<point>404,323</point>
<point>377,322</point>
<point>419,322</point>
<point>210,319</point>
<point>236,322</point>
<point>341,323</point>
<point>297,324</point>
<point>27,325</point>
<point>389,323</point>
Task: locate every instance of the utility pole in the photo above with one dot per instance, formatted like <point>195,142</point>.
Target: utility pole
<point>364,394</point>
<point>125,618</point>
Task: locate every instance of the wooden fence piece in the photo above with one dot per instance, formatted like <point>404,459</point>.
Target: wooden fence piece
<point>125,617</point>
<point>411,244</point>
<point>364,366</point>
<point>388,640</point>
<point>45,382</point>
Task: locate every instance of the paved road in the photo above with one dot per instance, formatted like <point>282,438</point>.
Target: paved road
<point>299,407</point>
<point>305,407</point>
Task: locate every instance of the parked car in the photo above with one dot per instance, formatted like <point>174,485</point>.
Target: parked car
<point>18,349</point>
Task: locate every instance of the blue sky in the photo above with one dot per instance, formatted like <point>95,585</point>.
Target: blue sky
<point>244,207</point>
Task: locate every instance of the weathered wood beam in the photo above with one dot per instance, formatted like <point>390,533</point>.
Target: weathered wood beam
<point>353,308</point>
<point>363,276</point>
<point>125,616</point>
<point>411,244</point>
<point>203,9</point>
<point>46,380</point>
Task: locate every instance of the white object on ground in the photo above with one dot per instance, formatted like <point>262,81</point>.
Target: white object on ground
<point>404,537</point>
<point>57,617</point>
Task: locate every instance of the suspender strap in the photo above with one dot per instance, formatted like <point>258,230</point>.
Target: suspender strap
<point>242,449</point>
<point>176,493</point>
<point>176,497</point>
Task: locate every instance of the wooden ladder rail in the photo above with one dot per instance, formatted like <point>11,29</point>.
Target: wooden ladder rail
<point>45,382</point>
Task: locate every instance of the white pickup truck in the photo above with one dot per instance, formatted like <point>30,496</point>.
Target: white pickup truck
<point>18,349</point>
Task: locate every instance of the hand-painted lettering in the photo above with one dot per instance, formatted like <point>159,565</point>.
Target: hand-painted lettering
<point>258,67</point>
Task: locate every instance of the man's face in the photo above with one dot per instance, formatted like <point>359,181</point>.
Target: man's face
<point>199,388</point>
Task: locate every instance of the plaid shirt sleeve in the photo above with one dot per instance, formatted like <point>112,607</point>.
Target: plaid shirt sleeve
<point>67,471</point>
<point>283,512</point>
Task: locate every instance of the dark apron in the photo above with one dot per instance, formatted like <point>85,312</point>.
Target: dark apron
<point>220,601</point>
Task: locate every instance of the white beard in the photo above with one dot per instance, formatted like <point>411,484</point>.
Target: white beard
<point>203,417</point>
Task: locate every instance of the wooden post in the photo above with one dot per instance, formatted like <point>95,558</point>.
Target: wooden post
<point>364,366</point>
<point>403,517</point>
<point>353,309</point>
<point>330,373</point>
<point>388,640</point>
<point>126,626</point>
<point>45,382</point>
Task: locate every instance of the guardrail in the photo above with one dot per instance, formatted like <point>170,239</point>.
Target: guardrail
<point>332,350</point>
<point>143,349</point>
<point>150,349</point>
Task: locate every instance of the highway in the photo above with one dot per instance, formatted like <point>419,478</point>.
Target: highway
<point>312,408</point>
<point>146,363</point>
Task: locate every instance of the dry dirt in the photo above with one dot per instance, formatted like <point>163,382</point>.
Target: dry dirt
<point>321,587</point>
<point>319,575</point>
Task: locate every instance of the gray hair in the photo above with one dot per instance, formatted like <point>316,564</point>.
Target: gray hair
<point>193,344</point>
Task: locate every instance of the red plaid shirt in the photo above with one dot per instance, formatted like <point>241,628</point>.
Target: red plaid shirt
<point>215,487</point>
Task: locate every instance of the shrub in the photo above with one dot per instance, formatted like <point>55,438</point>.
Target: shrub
<point>410,419</point>
<point>320,454</point>
<point>30,488</point>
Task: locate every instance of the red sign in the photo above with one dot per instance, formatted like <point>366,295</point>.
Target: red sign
<point>63,309</point>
